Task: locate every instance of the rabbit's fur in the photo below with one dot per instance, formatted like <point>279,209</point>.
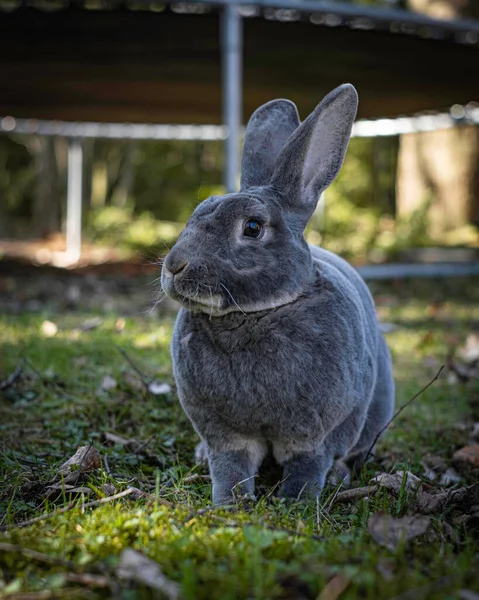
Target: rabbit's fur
<point>277,344</point>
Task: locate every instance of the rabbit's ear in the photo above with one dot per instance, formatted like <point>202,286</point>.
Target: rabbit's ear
<point>314,154</point>
<point>268,129</point>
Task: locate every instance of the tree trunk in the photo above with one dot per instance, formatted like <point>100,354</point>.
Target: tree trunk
<point>441,166</point>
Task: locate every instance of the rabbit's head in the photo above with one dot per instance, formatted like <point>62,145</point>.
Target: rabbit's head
<point>245,251</point>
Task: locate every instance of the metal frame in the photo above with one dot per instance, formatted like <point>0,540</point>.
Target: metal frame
<point>319,12</point>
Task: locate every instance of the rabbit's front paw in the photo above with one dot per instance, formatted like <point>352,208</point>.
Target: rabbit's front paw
<point>233,473</point>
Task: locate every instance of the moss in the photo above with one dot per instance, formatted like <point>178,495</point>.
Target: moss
<point>58,404</point>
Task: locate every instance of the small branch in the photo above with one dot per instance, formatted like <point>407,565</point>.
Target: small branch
<point>142,447</point>
<point>10,380</point>
<point>353,494</point>
<point>141,375</point>
<point>106,465</point>
<point>73,505</point>
<point>399,411</point>
<point>89,579</point>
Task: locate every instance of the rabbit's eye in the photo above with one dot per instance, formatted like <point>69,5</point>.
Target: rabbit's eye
<point>253,228</point>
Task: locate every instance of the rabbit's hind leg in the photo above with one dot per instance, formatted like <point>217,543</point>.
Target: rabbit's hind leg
<point>379,412</point>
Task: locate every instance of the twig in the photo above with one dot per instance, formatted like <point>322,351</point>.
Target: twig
<point>106,465</point>
<point>353,494</point>
<point>72,505</point>
<point>39,556</point>
<point>10,380</point>
<point>89,579</point>
<point>142,447</point>
<point>141,375</point>
<point>399,411</point>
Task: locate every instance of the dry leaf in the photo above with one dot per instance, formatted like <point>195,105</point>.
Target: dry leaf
<point>469,353</point>
<point>49,329</point>
<point>85,459</point>
<point>449,477</point>
<point>120,324</point>
<point>137,567</point>
<point>334,588</point>
<point>108,383</point>
<point>131,445</point>
<point>391,532</point>
<point>398,481</point>
<point>158,388</point>
<point>467,456</point>
<point>108,489</point>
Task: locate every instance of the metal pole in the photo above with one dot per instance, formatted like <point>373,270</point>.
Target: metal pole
<point>231,51</point>
<point>74,198</point>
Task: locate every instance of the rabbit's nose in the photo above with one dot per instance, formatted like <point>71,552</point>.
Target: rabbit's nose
<point>176,266</point>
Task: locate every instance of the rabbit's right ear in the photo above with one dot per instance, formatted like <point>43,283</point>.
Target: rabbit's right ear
<point>266,135</point>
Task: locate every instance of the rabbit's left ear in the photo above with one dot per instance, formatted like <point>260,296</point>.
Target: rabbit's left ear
<point>314,154</point>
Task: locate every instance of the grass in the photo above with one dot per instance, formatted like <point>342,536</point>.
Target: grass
<point>267,550</point>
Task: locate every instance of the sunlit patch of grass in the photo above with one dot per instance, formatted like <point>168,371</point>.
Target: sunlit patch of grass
<point>267,550</point>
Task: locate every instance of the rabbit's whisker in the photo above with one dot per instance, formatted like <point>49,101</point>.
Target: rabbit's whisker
<point>231,296</point>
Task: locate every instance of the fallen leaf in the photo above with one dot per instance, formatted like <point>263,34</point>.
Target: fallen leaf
<point>120,324</point>
<point>49,329</point>
<point>85,459</point>
<point>108,383</point>
<point>449,477</point>
<point>134,566</point>
<point>334,588</point>
<point>158,388</point>
<point>131,445</point>
<point>109,489</point>
<point>467,456</point>
<point>391,532</point>
<point>398,481</point>
<point>469,353</point>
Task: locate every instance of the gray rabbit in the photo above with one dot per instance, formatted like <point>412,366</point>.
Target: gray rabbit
<point>277,345</point>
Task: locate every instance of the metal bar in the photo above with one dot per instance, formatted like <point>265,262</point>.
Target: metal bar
<point>74,199</point>
<point>400,20</point>
<point>412,270</point>
<point>231,50</point>
<point>459,115</point>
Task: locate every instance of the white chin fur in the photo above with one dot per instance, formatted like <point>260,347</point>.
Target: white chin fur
<point>212,305</point>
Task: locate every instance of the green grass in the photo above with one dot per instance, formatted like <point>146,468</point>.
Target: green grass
<point>58,404</point>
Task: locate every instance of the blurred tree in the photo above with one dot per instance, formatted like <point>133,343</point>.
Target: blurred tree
<point>441,166</point>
